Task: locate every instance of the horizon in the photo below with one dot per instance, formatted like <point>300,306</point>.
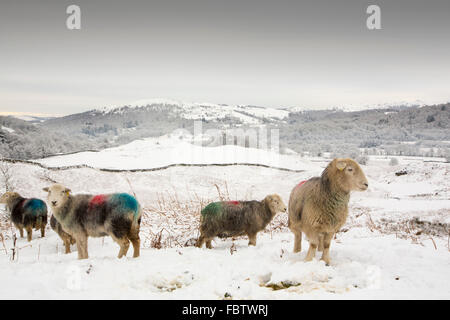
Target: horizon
<point>314,54</point>
<point>141,102</point>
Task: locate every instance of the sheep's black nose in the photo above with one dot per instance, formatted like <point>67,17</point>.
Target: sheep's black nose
<point>366,184</point>
<point>54,203</point>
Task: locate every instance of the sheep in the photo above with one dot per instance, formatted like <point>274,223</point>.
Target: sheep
<point>117,215</point>
<point>319,206</point>
<point>235,218</point>
<point>26,213</point>
<point>66,238</point>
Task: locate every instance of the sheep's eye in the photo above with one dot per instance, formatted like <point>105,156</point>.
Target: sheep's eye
<point>350,169</point>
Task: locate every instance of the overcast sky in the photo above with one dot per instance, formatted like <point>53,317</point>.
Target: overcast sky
<point>269,53</point>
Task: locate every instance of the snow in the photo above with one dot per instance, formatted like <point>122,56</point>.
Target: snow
<point>166,150</point>
<point>378,255</point>
<point>8,129</point>
<point>361,268</point>
<point>353,107</point>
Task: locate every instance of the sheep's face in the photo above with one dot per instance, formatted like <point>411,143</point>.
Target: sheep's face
<point>57,195</point>
<point>8,196</point>
<point>349,175</point>
<point>275,203</point>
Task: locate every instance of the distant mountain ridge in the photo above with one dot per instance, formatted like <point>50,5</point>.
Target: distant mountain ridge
<point>330,130</point>
<point>204,111</point>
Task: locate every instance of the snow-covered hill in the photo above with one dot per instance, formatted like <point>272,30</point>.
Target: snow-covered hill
<point>205,111</point>
<point>372,106</point>
<point>174,149</point>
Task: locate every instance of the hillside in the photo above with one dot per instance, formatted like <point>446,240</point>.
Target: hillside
<point>20,139</point>
<point>400,130</point>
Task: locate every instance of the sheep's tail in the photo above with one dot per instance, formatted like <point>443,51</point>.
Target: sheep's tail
<point>137,217</point>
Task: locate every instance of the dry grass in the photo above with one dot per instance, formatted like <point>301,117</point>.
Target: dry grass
<point>172,222</point>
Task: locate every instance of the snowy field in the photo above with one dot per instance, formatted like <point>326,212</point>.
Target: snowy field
<point>395,244</point>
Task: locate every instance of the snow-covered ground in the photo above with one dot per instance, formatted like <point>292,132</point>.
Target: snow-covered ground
<point>394,245</point>
<point>8,129</point>
<point>167,150</point>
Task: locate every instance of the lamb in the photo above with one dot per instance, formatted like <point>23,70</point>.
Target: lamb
<point>26,213</point>
<point>235,218</point>
<point>81,216</point>
<point>66,238</point>
<point>319,206</point>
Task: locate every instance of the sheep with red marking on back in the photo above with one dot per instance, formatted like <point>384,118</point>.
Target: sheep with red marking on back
<point>236,218</point>
<point>319,206</point>
<point>117,215</point>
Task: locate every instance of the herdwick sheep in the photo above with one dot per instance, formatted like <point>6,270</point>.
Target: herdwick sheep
<point>319,206</point>
<point>65,237</point>
<point>235,218</point>
<point>81,216</point>
<point>26,213</point>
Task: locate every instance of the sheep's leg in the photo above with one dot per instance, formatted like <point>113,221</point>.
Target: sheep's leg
<point>252,239</point>
<point>21,231</point>
<point>124,244</point>
<point>326,247</point>
<point>136,242</point>
<point>82,247</point>
<point>208,243</point>
<point>79,249</point>
<point>320,243</point>
<point>200,241</point>
<point>29,233</point>
<point>298,242</point>
<point>67,245</point>
<point>313,243</point>
<point>43,231</point>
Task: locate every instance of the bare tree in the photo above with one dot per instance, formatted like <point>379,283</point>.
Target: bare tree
<point>6,175</point>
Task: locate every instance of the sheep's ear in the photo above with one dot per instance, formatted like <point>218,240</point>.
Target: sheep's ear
<point>45,189</point>
<point>340,164</point>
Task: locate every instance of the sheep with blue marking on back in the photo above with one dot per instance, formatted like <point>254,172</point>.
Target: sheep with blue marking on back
<point>117,215</point>
<point>26,213</point>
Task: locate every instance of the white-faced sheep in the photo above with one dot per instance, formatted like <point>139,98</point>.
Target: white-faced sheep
<point>319,206</point>
<point>26,213</point>
<point>235,218</point>
<point>81,216</point>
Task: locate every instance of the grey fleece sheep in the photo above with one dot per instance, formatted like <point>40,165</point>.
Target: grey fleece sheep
<point>235,218</point>
<point>26,214</point>
<point>117,215</point>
